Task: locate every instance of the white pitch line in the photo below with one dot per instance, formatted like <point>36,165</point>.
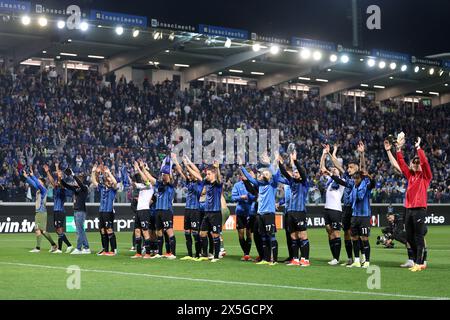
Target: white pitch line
<point>231,282</point>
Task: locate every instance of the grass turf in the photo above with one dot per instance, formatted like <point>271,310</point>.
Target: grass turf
<point>25,275</point>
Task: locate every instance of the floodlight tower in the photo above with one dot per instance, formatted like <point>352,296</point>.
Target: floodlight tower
<point>355,23</point>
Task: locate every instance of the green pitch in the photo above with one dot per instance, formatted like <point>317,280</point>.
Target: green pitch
<point>43,275</point>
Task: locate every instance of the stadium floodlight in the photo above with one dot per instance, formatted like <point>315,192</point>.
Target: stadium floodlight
<point>382,65</point>
<point>446,84</point>
<point>157,35</point>
<point>305,54</point>
<point>274,49</point>
<point>256,47</point>
<point>235,70</point>
<point>60,24</point>
<point>371,63</point>
<point>379,87</point>
<point>119,30</point>
<point>431,71</point>
<point>68,54</point>
<point>181,65</point>
<point>135,33</point>
<point>304,78</point>
<point>257,73</point>
<point>345,58</point>
<point>364,85</point>
<point>95,56</point>
<point>416,69</point>
<point>322,80</point>
<point>172,36</point>
<point>333,58</point>
<point>317,55</point>
<point>42,21</point>
<point>84,26</point>
<point>404,68</point>
<point>434,93</point>
<point>227,43</point>
<point>25,20</point>
<point>393,66</point>
<point>441,72</point>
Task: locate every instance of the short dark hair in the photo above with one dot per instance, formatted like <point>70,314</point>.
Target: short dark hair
<point>137,178</point>
<point>353,162</point>
<point>358,175</point>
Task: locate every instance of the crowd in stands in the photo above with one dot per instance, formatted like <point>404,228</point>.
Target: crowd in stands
<point>43,120</point>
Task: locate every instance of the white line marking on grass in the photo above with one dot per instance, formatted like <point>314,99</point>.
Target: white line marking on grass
<point>231,282</point>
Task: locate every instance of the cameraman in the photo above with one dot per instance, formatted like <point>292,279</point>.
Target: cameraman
<point>395,229</point>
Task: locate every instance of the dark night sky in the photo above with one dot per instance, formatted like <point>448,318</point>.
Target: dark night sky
<point>419,27</point>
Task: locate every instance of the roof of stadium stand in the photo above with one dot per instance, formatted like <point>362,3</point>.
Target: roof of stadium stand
<point>205,55</point>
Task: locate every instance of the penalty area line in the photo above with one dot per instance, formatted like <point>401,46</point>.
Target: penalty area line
<point>254,284</point>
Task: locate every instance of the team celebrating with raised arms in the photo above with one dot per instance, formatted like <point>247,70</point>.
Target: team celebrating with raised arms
<point>347,207</point>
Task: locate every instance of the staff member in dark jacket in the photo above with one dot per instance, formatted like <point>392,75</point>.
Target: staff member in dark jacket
<point>80,191</point>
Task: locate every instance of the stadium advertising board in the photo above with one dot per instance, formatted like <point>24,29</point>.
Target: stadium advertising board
<point>118,18</point>
<point>390,55</point>
<point>20,217</point>
<point>222,32</point>
<point>265,38</point>
<point>314,44</point>
<point>428,62</point>
<point>57,9</point>
<point>155,23</point>
<point>15,7</point>
<point>341,48</point>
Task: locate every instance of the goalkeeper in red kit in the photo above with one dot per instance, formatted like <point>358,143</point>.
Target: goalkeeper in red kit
<point>419,177</point>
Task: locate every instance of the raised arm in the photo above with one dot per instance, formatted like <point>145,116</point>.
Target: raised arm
<point>80,183</point>
<point>216,165</point>
<point>251,189</point>
<point>325,151</point>
<point>362,157</point>
<point>49,176</point>
<point>193,170</point>
<point>189,164</point>
<point>68,186</point>
<point>138,170</point>
<point>29,180</point>
<point>423,160</point>
<point>335,160</point>
<point>299,167</point>
<point>401,161</point>
<point>148,176</point>
<point>340,181</point>
<point>114,181</point>
<point>94,176</point>
<point>177,166</point>
<point>392,160</point>
<point>250,179</point>
<point>287,177</point>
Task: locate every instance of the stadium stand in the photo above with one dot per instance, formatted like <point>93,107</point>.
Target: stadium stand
<point>43,120</point>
